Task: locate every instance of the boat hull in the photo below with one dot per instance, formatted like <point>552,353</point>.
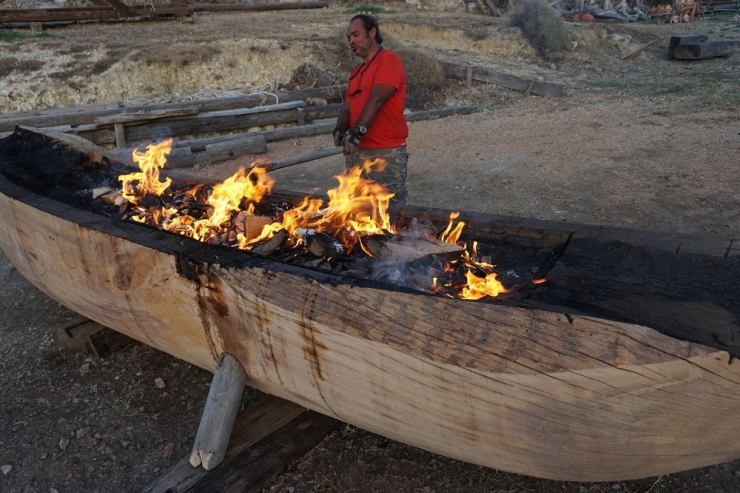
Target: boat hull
<point>535,392</point>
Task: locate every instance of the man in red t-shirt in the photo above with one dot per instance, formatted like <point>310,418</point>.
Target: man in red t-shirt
<point>371,123</point>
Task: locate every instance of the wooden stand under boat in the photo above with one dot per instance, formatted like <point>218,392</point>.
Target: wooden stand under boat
<point>618,367</point>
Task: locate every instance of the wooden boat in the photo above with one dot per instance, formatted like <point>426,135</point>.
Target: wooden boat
<point>620,366</point>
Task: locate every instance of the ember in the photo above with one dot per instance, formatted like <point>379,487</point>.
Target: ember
<point>341,236</point>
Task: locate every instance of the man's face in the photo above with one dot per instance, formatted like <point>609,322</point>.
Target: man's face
<point>360,40</point>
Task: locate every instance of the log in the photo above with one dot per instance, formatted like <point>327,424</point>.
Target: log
<point>230,149</point>
<point>179,157</point>
<point>483,74</point>
<point>707,49</point>
<point>408,249</point>
<point>91,338</point>
<point>684,38</point>
<point>79,115</point>
<point>219,414</point>
<point>143,115</point>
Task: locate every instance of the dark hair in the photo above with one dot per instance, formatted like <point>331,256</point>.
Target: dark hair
<point>369,22</point>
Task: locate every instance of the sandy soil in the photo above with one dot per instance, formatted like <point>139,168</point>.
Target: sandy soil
<point>647,143</point>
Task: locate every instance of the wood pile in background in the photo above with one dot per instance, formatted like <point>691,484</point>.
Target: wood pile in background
<point>115,10</point>
<point>195,125</point>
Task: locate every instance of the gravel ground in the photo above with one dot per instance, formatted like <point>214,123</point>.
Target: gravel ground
<point>652,144</point>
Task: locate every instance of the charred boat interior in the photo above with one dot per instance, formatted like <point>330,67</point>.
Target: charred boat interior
<point>684,286</point>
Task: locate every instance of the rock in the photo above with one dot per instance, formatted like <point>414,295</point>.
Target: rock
<point>44,455</point>
<point>64,443</point>
<point>6,469</point>
<point>616,486</point>
<point>159,383</point>
<point>168,450</point>
<point>82,432</point>
<point>85,369</point>
<point>125,443</point>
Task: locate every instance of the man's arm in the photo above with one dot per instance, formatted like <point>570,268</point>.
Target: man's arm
<point>378,97</point>
<point>343,118</point>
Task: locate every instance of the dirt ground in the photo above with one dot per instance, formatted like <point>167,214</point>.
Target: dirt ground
<point>647,143</point>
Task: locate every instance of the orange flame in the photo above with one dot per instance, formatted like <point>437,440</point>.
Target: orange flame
<point>150,162</point>
<point>228,195</point>
<point>452,235</point>
<point>357,207</point>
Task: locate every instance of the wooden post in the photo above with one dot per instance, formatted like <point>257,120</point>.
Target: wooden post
<point>120,135</point>
<point>301,116</point>
<point>36,27</point>
<point>219,413</point>
<point>469,76</point>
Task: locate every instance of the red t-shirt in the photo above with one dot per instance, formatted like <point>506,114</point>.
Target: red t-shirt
<point>389,128</point>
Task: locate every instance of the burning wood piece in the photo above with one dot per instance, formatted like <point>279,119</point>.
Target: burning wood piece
<point>321,244</point>
<point>112,197</point>
<point>251,226</point>
<point>99,192</point>
<point>272,244</point>
<point>408,248</point>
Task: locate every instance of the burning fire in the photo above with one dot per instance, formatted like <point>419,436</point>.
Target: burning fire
<point>356,209</point>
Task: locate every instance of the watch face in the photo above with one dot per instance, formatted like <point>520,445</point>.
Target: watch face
<point>362,129</point>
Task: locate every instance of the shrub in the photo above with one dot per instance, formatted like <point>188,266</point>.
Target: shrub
<point>543,27</point>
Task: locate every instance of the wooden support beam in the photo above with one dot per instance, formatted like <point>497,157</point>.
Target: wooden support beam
<point>268,437</point>
<point>91,338</point>
<point>219,414</point>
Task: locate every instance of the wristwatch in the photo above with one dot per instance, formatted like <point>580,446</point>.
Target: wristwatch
<point>361,129</point>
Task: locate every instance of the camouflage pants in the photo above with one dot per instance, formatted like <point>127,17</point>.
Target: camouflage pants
<point>393,177</point>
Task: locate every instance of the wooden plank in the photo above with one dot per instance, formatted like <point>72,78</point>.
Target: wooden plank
<point>91,338</point>
<point>258,421</point>
<point>483,74</point>
<point>223,151</point>
<point>257,7</point>
<point>90,13</point>
<point>638,50</point>
<point>222,406</point>
<point>143,115</point>
<point>440,113</point>
<point>179,157</point>
<point>80,115</point>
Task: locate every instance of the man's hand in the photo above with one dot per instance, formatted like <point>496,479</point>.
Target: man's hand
<point>339,136</point>
<point>352,142</point>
